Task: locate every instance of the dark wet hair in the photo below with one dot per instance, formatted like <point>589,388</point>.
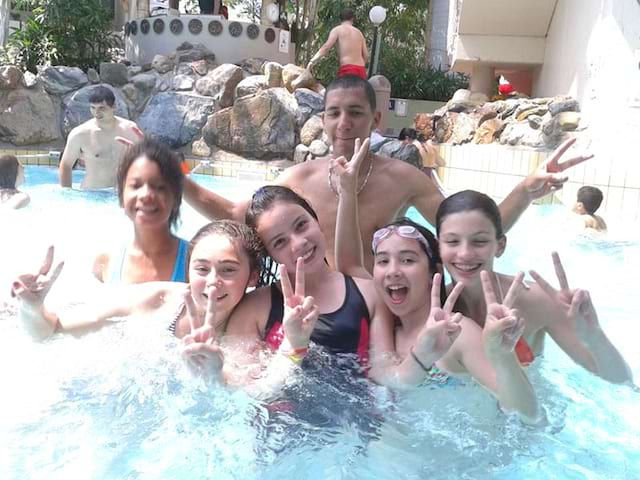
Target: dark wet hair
<point>101,94</point>
<point>353,82</point>
<point>8,171</point>
<point>435,261</point>
<point>591,198</point>
<point>469,200</point>
<point>347,14</point>
<point>408,132</point>
<point>168,163</point>
<point>262,201</point>
<point>243,236</point>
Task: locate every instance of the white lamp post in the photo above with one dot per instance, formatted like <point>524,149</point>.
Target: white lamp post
<point>377,15</point>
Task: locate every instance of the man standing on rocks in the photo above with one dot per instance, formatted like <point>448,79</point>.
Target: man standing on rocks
<point>386,187</point>
<point>94,142</point>
<point>352,49</point>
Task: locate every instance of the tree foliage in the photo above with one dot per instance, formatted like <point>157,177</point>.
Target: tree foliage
<point>60,32</point>
<point>402,57</point>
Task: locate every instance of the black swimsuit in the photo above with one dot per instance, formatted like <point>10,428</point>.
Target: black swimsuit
<point>344,331</point>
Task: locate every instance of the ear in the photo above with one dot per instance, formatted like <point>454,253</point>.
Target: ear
<point>253,279</point>
<point>502,245</point>
<point>377,116</point>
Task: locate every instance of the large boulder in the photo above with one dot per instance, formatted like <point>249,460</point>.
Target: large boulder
<point>463,129</point>
<point>163,63</point>
<point>251,85</point>
<point>489,131</point>
<point>309,103</point>
<point>263,125</point>
<point>33,117</point>
<point>61,80</point>
<point>188,52</point>
<point>75,107</point>
<point>273,73</point>
<point>10,77</point>
<point>402,151</point>
<point>220,84</point>
<point>311,130</point>
<point>176,118</point>
<point>424,124</point>
<point>115,74</point>
<point>253,65</point>
<point>294,77</point>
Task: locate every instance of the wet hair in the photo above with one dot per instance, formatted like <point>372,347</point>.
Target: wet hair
<point>346,15</point>
<point>243,236</point>
<point>9,166</point>
<point>435,261</point>
<point>421,138</point>
<point>353,82</point>
<point>101,94</point>
<point>470,200</point>
<point>262,201</point>
<point>408,132</point>
<point>168,163</point>
<point>591,198</point>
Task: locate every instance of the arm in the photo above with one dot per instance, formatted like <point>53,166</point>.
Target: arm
<point>577,330</point>
<point>349,250</point>
<point>544,180</point>
<point>426,198</point>
<point>69,156</point>
<point>212,205</point>
<point>18,200</point>
<point>328,45</point>
<point>365,52</point>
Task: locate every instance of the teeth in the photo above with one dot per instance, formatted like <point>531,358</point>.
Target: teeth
<point>466,267</point>
<point>307,255</point>
<point>395,287</point>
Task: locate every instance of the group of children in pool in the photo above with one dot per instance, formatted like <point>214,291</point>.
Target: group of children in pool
<point>401,322</point>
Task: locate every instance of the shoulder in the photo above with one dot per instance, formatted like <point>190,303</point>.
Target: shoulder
<point>295,175</point>
<point>251,313</point>
<point>80,131</point>
<point>101,265</point>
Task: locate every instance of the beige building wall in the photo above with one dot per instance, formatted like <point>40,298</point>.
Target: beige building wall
<point>593,54</point>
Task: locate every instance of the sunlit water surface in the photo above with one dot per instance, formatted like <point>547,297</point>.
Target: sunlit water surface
<point>118,404</point>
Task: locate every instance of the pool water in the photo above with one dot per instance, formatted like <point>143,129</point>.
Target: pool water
<point>118,404</point>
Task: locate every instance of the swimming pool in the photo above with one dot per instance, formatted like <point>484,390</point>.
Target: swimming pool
<point>118,404</point>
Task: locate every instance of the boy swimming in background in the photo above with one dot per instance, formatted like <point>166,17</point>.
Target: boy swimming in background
<point>588,201</point>
<point>11,177</point>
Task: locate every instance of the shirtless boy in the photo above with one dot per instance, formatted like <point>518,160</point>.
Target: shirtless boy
<point>94,142</point>
<point>386,186</point>
<point>588,201</point>
<point>352,49</point>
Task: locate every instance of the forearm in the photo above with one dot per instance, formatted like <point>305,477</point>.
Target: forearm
<point>513,389</point>
<point>65,175</point>
<point>349,250</point>
<point>38,322</point>
<point>209,204</point>
<point>514,205</point>
<point>610,364</point>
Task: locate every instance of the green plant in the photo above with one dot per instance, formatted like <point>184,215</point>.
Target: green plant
<point>60,32</point>
<point>402,57</point>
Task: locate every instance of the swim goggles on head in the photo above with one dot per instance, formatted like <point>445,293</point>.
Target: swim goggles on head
<point>406,231</point>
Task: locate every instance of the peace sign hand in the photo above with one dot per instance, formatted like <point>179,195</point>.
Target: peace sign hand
<point>503,326</point>
<point>546,179</point>
<point>576,304</point>
<point>300,311</point>
<point>442,327</point>
<point>200,352</point>
<point>31,289</point>
<point>348,171</point>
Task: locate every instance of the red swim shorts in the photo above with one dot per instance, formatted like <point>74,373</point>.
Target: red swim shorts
<point>350,69</point>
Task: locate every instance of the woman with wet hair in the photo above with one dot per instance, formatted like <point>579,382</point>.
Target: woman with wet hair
<point>149,184</point>
<point>11,177</point>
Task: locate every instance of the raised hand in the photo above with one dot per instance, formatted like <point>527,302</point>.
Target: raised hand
<point>200,352</point>
<point>546,178</point>
<point>576,304</point>
<point>300,311</point>
<point>127,142</point>
<point>348,171</point>
<point>442,327</point>
<point>31,289</point>
<point>503,326</point>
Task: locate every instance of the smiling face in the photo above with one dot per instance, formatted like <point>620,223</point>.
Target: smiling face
<point>146,196</point>
<point>347,116</point>
<point>218,261</point>
<point>288,231</point>
<point>401,274</point>
<point>468,245</point>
